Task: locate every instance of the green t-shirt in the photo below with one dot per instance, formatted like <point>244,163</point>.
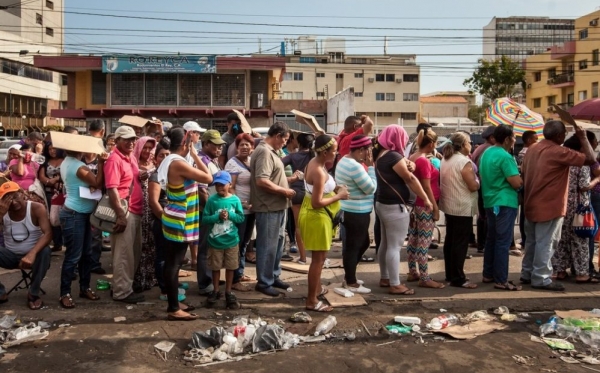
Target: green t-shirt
<point>223,234</point>
<point>495,166</point>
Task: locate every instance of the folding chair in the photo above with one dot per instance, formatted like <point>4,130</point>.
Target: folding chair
<point>24,283</point>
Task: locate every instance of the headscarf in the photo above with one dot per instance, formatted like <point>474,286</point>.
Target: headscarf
<point>139,145</point>
<point>393,137</point>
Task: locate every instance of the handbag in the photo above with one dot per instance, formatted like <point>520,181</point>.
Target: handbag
<point>336,219</point>
<point>56,203</point>
<point>104,216</point>
<point>584,221</point>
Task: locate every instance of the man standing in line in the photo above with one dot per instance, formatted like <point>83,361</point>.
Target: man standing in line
<point>353,126</point>
<point>96,129</point>
<point>122,181</point>
<point>270,199</point>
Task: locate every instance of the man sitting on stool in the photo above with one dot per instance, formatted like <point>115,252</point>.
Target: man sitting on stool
<point>27,235</point>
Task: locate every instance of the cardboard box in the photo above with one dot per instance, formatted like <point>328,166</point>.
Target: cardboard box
<point>77,143</point>
<point>308,120</point>
<point>134,120</point>
<point>244,122</point>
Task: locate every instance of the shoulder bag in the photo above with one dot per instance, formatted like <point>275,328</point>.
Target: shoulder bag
<point>410,210</point>
<point>104,216</point>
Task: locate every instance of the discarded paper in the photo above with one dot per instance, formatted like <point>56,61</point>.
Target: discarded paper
<point>473,330</point>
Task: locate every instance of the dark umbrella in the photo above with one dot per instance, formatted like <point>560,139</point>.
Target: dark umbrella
<point>588,110</point>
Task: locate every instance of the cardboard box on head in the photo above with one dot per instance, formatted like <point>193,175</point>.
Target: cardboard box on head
<point>308,120</point>
<point>243,122</point>
<point>77,143</point>
<point>134,120</point>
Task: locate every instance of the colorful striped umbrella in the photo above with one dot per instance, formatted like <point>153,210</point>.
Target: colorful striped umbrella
<point>520,117</point>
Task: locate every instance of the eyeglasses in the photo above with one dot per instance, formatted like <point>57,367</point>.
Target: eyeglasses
<point>13,237</point>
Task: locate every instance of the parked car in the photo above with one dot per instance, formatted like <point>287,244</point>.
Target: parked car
<point>4,145</point>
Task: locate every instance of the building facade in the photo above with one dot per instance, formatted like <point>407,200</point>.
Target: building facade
<point>452,110</point>
<point>27,93</point>
<point>520,37</point>
<point>566,74</point>
<point>386,87</point>
<point>470,97</point>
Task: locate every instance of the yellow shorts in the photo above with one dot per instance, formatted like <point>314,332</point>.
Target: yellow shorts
<point>224,258</point>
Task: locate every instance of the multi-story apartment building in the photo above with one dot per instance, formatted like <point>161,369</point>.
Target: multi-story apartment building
<point>520,37</point>
<point>386,87</point>
<point>28,93</point>
<point>566,74</point>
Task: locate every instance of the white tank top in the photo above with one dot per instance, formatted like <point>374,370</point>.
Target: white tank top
<point>21,236</point>
<point>329,185</point>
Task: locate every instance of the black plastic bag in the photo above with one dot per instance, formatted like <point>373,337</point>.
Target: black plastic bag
<point>268,337</point>
<point>213,338</point>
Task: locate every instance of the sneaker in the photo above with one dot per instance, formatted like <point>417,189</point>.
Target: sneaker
<point>132,298</point>
<point>360,289</point>
<point>207,290</point>
<point>280,284</point>
<point>287,257</point>
<point>232,302</point>
<point>294,249</point>
<point>212,299</point>
<point>268,291</point>
<point>360,282</point>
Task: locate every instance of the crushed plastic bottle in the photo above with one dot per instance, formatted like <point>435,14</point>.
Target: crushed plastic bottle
<point>326,325</point>
<point>399,329</point>
<point>549,327</point>
<point>590,338</point>
<point>102,284</point>
<point>443,321</point>
<point>566,331</point>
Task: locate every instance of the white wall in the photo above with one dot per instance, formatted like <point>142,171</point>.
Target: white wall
<point>339,107</point>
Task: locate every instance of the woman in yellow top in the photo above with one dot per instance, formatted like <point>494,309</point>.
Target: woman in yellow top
<point>316,225</point>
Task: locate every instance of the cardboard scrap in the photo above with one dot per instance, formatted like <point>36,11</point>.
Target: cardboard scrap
<point>308,120</point>
<point>303,268</point>
<point>565,116</point>
<point>243,122</point>
<point>336,300</point>
<point>77,143</point>
<point>134,120</point>
<point>472,330</point>
<point>576,314</point>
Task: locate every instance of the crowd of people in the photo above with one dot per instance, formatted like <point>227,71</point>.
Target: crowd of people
<point>240,190</point>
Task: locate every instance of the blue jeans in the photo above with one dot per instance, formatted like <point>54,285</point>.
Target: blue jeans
<point>77,235</point>
<point>96,248</point>
<point>245,233</point>
<point>499,235</point>
<point>542,240</point>
<point>270,230</point>
<point>595,200</point>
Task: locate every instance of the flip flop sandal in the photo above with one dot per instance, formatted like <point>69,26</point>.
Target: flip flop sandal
<point>590,280</point>
<point>412,278</point>
<point>320,307</point>
<point>510,286</point>
<point>238,286</point>
<point>190,317</point>
<point>183,273</point>
<point>431,258</point>
<point>245,278</point>
<point>31,303</point>
<point>384,284</point>
<point>423,284</point>
<point>188,308</point>
<point>324,290</point>
<point>367,259</point>
<point>69,299</point>
<point>468,285</point>
<point>405,292</point>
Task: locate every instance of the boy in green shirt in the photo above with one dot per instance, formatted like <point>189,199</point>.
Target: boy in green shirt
<point>222,212</point>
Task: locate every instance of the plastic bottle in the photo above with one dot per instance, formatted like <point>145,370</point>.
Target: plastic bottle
<point>407,320</point>
<point>399,329</point>
<point>550,326</point>
<point>38,158</point>
<point>566,331</point>
<point>102,284</point>
<point>443,321</point>
<point>590,338</point>
<point>326,325</point>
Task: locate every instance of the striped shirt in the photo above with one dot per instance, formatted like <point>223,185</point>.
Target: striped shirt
<point>361,185</point>
<point>180,217</point>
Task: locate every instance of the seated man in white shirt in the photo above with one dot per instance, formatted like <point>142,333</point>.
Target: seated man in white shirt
<point>27,235</point>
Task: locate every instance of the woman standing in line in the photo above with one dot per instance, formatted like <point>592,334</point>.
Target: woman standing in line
<point>49,175</point>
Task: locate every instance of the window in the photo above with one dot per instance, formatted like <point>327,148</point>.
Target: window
<point>25,70</point>
<point>320,94</point>
<point>408,116</point>
<point>571,99</point>
<point>39,19</point>
<point>358,94</point>
<point>595,90</point>
<point>410,77</point>
<point>384,114</point>
<point>551,73</point>
<point>339,76</point>
<point>410,97</point>
<point>358,75</point>
<point>583,34</point>
<point>293,76</point>
<point>49,31</point>
<point>582,64</point>
<point>390,97</point>
<point>537,76</point>
<point>595,57</point>
<point>551,100</point>
<point>359,61</point>
<point>537,102</point>
<point>64,80</point>
<point>390,77</point>
<point>379,96</point>
<point>49,4</point>
<point>298,76</point>
<point>288,76</point>
<point>582,95</point>
<point>292,95</point>
<point>230,89</point>
<point>320,75</point>
<point>161,89</point>
<point>127,89</point>
<point>98,88</point>
<point>195,90</point>
<point>380,77</point>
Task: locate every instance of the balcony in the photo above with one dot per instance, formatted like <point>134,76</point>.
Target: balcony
<point>562,80</point>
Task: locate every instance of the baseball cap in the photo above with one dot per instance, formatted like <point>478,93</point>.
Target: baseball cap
<point>212,136</point>
<point>11,186</point>
<point>16,146</point>
<point>192,126</point>
<point>488,132</point>
<point>167,126</point>
<point>221,177</point>
<point>125,132</point>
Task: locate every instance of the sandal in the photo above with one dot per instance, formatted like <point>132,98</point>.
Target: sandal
<point>188,317</point>
<point>410,277</point>
<point>431,284</point>
<point>69,301</point>
<point>324,290</point>
<point>238,286</point>
<point>320,307</point>
<point>367,259</point>
<point>407,291</point>
<point>384,283</point>
<point>187,308</point>
<point>510,286</point>
<point>34,303</point>
<point>562,276</point>
<point>589,280</point>
<point>245,278</point>
<point>88,294</point>
<point>251,260</point>
<point>468,285</point>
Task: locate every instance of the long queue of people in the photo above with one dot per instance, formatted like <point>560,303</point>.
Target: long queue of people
<point>168,198</point>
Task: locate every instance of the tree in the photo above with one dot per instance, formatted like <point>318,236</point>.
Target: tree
<point>477,113</point>
<point>497,78</point>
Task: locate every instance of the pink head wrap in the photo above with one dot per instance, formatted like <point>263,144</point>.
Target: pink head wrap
<point>139,145</point>
<point>393,137</point>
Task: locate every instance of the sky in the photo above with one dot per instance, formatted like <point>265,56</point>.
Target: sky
<point>445,35</point>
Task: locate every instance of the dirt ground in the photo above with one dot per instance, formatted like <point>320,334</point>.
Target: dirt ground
<point>94,342</point>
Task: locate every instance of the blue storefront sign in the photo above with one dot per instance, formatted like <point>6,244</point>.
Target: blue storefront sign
<point>176,64</point>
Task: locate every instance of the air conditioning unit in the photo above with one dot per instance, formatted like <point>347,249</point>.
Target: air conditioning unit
<point>594,22</point>
<point>297,53</point>
<point>550,81</point>
<point>371,80</point>
<point>276,87</point>
<point>550,109</point>
<point>529,85</point>
<point>398,80</point>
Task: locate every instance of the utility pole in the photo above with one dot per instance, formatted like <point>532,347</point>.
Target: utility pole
<point>385,45</point>
<point>259,46</point>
